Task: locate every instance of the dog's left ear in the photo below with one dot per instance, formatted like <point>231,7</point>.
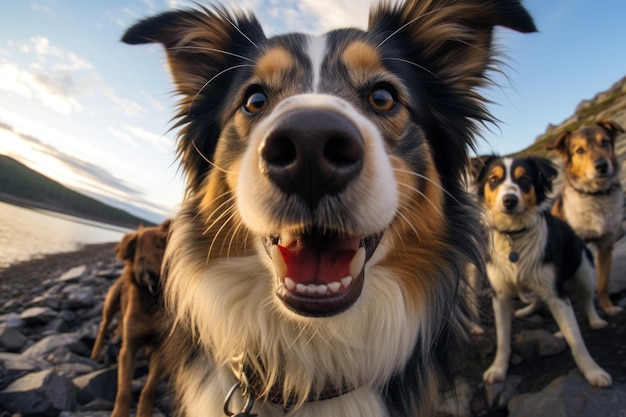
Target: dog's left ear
<point>125,249</point>
<point>547,173</point>
<point>165,226</point>
<point>448,44</point>
<point>450,38</point>
<point>611,127</point>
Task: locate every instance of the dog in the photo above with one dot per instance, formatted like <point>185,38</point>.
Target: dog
<point>533,252</point>
<point>592,197</point>
<point>314,265</point>
<point>137,296</point>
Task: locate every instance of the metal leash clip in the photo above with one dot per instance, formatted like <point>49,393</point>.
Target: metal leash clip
<point>246,393</point>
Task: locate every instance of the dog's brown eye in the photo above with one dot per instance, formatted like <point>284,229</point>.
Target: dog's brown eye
<point>605,143</point>
<point>580,151</point>
<point>381,99</point>
<point>255,102</point>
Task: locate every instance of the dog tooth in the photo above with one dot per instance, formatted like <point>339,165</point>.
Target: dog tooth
<point>334,286</point>
<point>311,289</point>
<point>358,262</point>
<point>346,281</point>
<point>322,289</point>
<point>290,284</point>
<point>279,263</point>
<point>301,288</point>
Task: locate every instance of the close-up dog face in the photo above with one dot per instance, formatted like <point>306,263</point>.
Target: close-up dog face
<point>589,153</point>
<point>143,250</point>
<point>514,187</point>
<point>313,146</point>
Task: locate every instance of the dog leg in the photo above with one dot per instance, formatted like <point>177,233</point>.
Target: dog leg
<point>533,305</point>
<point>502,311</point>
<point>565,318</point>
<point>125,371</point>
<point>604,252</point>
<point>146,398</point>
<point>585,280</point>
<point>110,308</point>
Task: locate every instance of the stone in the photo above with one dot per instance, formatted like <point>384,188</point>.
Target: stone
<point>81,298</point>
<point>38,315</point>
<point>100,384</point>
<point>74,274</point>
<point>43,393</point>
<point>571,396</point>
<point>500,393</point>
<point>12,320</point>
<point>539,342</point>
<point>48,344</point>
<point>11,340</point>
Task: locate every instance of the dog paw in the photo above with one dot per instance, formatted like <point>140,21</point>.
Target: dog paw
<point>494,374</point>
<point>598,378</point>
<point>598,324</point>
<point>612,310</point>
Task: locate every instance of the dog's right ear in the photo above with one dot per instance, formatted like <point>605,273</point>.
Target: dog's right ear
<point>206,50</point>
<point>125,249</point>
<point>560,144</point>
<point>478,166</point>
<point>611,127</point>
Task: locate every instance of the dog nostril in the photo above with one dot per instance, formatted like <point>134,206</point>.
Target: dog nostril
<point>312,153</point>
<point>509,201</point>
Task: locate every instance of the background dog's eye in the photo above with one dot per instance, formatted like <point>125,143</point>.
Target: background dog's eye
<point>524,181</point>
<point>580,151</point>
<point>605,143</point>
<point>382,99</point>
<point>255,102</point>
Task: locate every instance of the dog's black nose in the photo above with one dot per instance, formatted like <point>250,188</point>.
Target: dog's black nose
<point>602,166</point>
<point>510,201</point>
<point>312,153</point>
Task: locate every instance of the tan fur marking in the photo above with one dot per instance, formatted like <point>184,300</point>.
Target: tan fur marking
<point>274,64</point>
<point>491,195</point>
<point>362,57</point>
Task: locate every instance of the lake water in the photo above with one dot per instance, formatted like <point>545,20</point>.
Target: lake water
<point>27,233</point>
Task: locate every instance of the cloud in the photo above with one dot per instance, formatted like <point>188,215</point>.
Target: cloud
<point>57,78</point>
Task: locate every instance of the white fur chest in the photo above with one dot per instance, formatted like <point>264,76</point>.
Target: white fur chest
<point>528,273</point>
<point>593,216</point>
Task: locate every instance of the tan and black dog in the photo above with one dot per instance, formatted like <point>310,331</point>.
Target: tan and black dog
<point>136,294</point>
<point>592,197</point>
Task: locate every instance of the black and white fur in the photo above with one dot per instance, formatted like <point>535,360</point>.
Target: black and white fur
<point>317,256</point>
<point>533,252</point>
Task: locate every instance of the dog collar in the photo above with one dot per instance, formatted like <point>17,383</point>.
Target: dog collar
<point>608,191</point>
<point>252,387</point>
<point>510,234</point>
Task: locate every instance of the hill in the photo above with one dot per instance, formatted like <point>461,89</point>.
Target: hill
<point>609,104</point>
<point>21,185</point>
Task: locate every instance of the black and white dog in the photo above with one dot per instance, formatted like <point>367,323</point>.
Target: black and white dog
<point>533,252</point>
<point>316,260</point>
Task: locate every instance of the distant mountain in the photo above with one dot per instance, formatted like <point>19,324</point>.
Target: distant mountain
<point>22,185</point>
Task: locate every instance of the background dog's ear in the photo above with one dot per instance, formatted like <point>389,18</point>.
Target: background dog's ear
<point>165,226</point>
<point>478,166</point>
<point>449,46</point>
<point>560,144</point>
<point>125,249</point>
<point>610,126</point>
<point>547,173</point>
<point>205,49</point>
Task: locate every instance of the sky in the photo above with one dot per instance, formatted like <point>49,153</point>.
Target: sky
<point>95,114</point>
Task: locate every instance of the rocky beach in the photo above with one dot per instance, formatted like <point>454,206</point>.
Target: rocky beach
<point>50,309</point>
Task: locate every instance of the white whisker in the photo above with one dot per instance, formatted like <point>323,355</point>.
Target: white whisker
<point>204,48</point>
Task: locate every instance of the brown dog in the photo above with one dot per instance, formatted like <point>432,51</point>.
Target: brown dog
<point>592,196</point>
<point>136,294</point>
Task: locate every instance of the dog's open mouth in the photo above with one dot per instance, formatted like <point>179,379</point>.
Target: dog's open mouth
<point>319,274</point>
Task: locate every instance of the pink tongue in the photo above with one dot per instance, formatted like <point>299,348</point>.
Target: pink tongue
<point>312,264</point>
